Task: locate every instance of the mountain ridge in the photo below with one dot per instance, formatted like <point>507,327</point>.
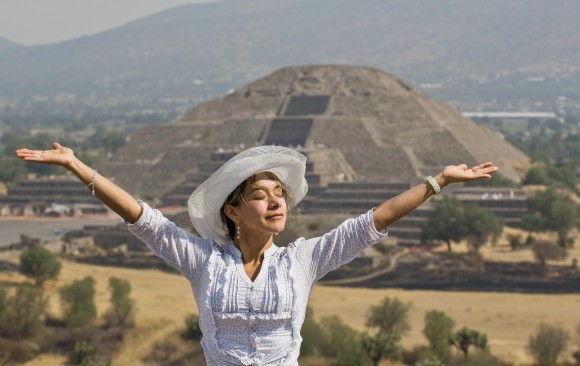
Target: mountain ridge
<point>6,44</point>
<point>239,41</point>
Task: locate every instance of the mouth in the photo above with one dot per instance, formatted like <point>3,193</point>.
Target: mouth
<point>275,217</point>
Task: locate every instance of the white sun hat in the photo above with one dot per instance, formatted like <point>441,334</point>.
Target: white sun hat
<point>205,202</point>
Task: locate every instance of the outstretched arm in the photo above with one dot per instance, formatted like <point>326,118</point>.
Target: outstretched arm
<point>401,205</point>
<point>110,194</point>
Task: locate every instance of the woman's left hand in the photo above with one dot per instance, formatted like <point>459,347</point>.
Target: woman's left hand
<point>461,173</point>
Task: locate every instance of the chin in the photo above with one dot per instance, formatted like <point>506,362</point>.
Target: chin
<point>277,230</point>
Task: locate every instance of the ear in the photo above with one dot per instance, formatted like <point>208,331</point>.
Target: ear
<point>232,213</point>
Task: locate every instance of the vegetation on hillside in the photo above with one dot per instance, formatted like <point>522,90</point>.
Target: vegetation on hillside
<point>95,146</point>
<point>27,329</point>
<point>451,221</point>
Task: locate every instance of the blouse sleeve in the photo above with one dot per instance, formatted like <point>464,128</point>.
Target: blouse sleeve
<point>320,255</point>
<point>183,251</point>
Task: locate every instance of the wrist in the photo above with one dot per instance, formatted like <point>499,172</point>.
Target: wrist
<point>440,179</point>
<point>72,164</point>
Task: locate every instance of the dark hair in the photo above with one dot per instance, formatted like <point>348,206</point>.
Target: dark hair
<point>237,196</point>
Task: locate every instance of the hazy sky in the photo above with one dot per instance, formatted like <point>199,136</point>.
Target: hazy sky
<point>33,22</point>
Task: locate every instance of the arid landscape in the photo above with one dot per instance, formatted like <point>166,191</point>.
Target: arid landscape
<point>164,300</point>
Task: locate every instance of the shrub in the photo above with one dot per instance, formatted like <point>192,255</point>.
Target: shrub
<point>466,338</point>
<point>17,352</point>
<point>85,354</point>
<point>192,330</point>
<point>380,345</point>
<point>22,313</point>
<point>82,354</point>
<point>439,332</point>
<point>122,309</point>
<point>39,264</point>
<point>515,241</point>
<point>548,344</point>
<point>390,316</point>
<point>478,358</point>
<point>311,335</point>
<point>313,226</point>
<point>342,343</point>
<point>78,301</point>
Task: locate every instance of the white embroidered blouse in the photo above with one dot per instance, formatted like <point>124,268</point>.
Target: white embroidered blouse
<point>245,322</point>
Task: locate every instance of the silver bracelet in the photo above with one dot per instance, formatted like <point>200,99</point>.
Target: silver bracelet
<point>433,183</point>
<point>91,185</point>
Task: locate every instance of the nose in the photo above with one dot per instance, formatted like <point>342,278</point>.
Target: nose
<point>275,202</point>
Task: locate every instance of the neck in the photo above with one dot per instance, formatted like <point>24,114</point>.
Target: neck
<point>253,248</point>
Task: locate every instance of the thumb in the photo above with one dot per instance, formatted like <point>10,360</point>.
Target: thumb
<point>56,146</point>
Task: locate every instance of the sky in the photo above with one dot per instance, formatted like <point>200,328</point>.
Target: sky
<point>35,22</point>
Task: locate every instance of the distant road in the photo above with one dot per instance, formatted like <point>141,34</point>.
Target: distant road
<point>511,115</point>
<point>354,280</point>
<point>44,228</point>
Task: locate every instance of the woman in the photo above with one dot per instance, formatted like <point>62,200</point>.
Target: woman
<point>251,294</point>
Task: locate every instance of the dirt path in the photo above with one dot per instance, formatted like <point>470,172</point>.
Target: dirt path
<point>350,281</point>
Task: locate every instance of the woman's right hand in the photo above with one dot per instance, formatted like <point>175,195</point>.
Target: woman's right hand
<point>59,155</point>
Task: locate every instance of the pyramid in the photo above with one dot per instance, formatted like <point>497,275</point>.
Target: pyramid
<point>357,125</point>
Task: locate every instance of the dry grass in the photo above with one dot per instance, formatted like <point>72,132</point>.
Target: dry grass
<point>164,300</point>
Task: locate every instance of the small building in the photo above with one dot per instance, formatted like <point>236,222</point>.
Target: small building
<point>52,196</point>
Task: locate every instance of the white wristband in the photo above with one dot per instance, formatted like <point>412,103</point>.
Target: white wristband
<point>433,183</point>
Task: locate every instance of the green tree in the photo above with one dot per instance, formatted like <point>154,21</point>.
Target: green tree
<point>78,302</point>
<point>537,175</point>
<point>444,222</point>
<point>439,332</point>
<point>21,314</point>
<point>342,343</point>
<point>552,211</point>
<point>480,225</point>
<point>545,251</point>
<point>39,264</point>
<point>390,316</point>
<point>3,300</point>
<point>576,354</point>
<point>311,334</point>
<point>548,344</point>
<point>192,329</point>
<point>389,321</point>
<point>122,309</point>
<point>380,345</point>
<point>13,142</point>
<point>466,338</point>
<point>83,354</point>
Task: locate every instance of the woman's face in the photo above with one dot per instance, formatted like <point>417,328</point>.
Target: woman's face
<point>263,209</point>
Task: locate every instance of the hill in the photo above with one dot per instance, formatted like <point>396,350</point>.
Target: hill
<point>6,45</point>
<point>205,49</point>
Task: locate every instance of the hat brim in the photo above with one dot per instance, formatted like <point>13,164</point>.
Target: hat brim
<point>205,202</point>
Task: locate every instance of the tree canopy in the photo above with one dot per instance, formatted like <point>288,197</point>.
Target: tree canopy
<point>39,264</point>
<point>451,221</point>
<point>552,211</point>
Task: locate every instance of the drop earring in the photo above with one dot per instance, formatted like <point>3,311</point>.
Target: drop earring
<point>238,232</point>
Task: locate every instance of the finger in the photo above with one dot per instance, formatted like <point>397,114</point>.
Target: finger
<point>56,146</point>
<point>23,151</point>
<point>462,166</point>
<point>34,159</point>
<point>489,170</point>
<point>482,166</point>
<point>32,155</point>
<point>485,172</point>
